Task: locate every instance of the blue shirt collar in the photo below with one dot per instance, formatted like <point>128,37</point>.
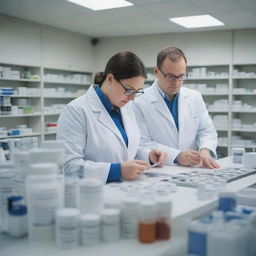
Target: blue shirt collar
<point>165,96</point>
<point>105,101</point>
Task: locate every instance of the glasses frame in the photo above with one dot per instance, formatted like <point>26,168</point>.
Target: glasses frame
<point>170,77</point>
<point>130,92</point>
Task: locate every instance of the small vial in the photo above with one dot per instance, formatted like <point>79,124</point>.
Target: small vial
<point>18,221</point>
<point>110,225</point>
<point>130,217</point>
<point>67,231</point>
<point>91,196</point>
<point>90,229</point>
<point>237,155</point>
<point>163,224</point>
<point>227,201</point>
<point>147,222</point>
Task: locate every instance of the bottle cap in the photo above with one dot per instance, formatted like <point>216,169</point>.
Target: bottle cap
<point>18,210</point>
<point>110,216</point>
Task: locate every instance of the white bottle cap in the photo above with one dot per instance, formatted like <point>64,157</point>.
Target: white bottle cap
<point>110,216</point>
<point>148,211</point>
<point>51,144</point>
<point>90,185</point>
<point>67,215</point>
<point>130,202</point>
<point>88,220</point>
<point>164,204</point>
<point>47,156</point>
<point>43,168</point>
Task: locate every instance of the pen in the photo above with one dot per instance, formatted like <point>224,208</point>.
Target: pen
<point>155,164</point>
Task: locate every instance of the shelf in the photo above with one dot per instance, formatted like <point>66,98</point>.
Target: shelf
<point>52,114</point>
<point>23,135</point>
<point>218,111</point>
<point>214,94</point>
<point>206,78</point>
<point>49,133</point>
<point>59,97</point>
<point>19,80</point>
<point>71,83</point>
<point>243,111</point>
<point>245,93</point>
<point>22,96</point>
<point>243,130</point>
<point>24,115</point>
<point>236,77</point>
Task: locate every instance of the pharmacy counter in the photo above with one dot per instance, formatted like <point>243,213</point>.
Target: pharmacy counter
<point>186,206</point>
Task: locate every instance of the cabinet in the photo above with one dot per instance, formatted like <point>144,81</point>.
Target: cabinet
<point>31,99</point>
<point>244,106</point>
<point>229,92</point>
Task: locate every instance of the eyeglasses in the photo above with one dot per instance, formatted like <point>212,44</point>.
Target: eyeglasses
<point>130,92</point>
<point>171,77</point>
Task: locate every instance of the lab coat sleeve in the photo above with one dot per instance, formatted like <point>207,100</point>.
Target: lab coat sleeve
<point>72,131</point>
<point>146,138</point>
<point>206,135</point>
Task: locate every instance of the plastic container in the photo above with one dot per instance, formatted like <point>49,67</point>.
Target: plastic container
<point>130,217</point>
<point>110,225</point>
<point>43,199</point>
<point>91,196</point>
<point>18,221</point>
<point>67,228</point>
<point>147,221</point>
<point>163,224</point>
<point>227,201</point>
<point>90,229</point>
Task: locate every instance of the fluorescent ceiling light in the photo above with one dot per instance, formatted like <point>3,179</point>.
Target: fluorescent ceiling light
<point>101,4</point>
<point>199,21</point>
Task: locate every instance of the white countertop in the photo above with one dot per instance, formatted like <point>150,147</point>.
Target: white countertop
<point>185,207</point>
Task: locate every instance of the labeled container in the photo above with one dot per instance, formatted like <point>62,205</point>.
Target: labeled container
<point>67,227</point>
<point>147,221</point>
<point>43,199</point>
<point>110,225</point>
<point>163,224</point>
<point>18,221</point>
<point>90,229</point>
<point>91,196</point>
<point>130,217</point>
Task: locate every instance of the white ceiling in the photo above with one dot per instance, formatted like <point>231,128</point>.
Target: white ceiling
<point>145,17</point>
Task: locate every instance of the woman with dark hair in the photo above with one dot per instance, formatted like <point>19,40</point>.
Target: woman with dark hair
<point>99,128</point>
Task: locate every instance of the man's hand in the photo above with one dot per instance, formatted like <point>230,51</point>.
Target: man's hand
<point>206,160</point>
<point>189,158</point>
<point>158,156</point>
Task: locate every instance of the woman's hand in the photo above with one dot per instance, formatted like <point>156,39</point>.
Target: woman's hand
<point>133,169</point>
<point>158,156</point>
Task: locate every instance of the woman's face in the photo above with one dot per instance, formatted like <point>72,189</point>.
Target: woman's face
<point>115,90</point>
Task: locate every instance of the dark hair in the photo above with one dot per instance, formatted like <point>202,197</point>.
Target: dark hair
<point>173,53</point>
<point>122,65</point>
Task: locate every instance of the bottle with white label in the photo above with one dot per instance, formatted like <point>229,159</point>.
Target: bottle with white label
<point>43,199</point>
<point>67,231</point>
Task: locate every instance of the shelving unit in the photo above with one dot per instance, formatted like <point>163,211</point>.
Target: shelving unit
<point>222,86</point>
<point>46,91</point>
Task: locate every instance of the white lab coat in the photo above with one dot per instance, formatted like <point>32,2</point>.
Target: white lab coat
<point>157,126</point>
<point>92,138</point>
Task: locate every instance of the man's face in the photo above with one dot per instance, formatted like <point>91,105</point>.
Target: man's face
<point>169,70</point>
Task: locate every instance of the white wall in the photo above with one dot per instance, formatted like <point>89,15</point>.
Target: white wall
<point>201,48</point>
<point>28,43</point>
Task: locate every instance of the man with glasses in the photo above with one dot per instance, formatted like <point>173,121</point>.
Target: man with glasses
<point>174,118</point>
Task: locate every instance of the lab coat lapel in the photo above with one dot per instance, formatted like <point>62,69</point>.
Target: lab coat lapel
<point>159,104</point>
<point>183,113</point>
<point>102,114</point>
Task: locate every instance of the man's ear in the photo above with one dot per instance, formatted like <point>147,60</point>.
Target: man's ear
<point>156,70</point>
